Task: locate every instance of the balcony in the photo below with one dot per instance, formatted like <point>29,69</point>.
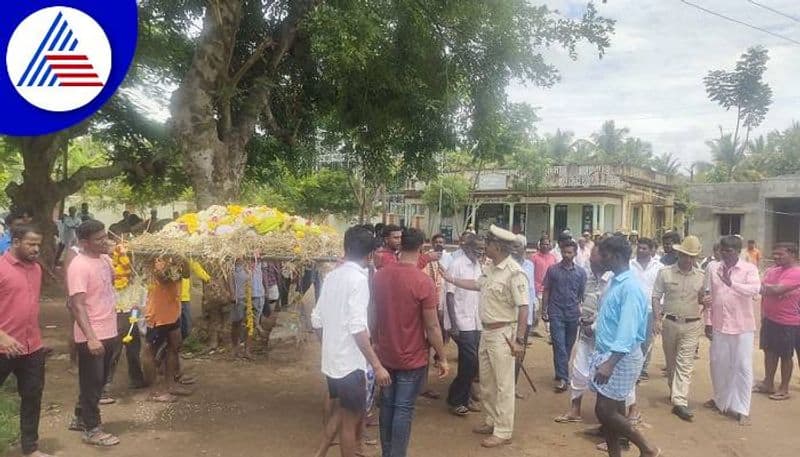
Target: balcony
<point>564,177</point>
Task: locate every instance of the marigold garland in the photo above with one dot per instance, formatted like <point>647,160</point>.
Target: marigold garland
<point>122,267</point>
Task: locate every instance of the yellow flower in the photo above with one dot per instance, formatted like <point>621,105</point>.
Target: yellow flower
<point>251,220</point>
<point>299,235</point>
<point>235,210</point>
<point>127,339</point>
<point>297,249</point>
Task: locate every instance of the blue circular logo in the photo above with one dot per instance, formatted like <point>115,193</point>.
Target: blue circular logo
<point>63,60</point>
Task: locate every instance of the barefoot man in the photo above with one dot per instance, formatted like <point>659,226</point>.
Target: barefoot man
<point>20,337</point>
<point>618,359</point>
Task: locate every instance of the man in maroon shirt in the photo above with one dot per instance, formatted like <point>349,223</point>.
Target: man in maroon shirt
<point>20,337</point>
<point>387,254</point>
<point>406,324</point>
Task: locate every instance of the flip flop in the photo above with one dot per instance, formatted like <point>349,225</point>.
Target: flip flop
<point>567,419</point>
<point>431,394</point>
<point>762,389</point>
<point>460,411</point>
<point>101,439</point>
<point>779,396</point>
<point>163,398</point>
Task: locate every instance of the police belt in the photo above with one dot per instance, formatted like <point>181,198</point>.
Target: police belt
<point>681,320</point>
<point>496,325</point>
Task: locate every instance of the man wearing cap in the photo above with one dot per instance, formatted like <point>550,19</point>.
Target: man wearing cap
<point>504,314</point>
<point>681,286</point>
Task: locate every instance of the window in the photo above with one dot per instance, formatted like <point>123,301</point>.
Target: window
<point>730,224</point>
<point>636,218</point>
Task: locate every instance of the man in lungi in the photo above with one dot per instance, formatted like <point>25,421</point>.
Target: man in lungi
<point>733,283</point>
<point>617,361</point>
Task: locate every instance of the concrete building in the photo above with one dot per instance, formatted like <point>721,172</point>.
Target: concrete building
<point>601,198</point>
<point>767,211</point>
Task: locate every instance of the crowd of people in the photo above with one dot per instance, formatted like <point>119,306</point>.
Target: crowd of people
<point>605,300</point>
<point>388,309</point>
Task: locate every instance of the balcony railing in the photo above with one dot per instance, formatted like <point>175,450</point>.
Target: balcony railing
<point>563,177</point>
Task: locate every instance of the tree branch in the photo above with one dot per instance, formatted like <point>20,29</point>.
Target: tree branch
<point>257,54</point>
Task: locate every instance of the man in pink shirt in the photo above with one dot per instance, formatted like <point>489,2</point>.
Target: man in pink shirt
<point>733,285</point>
<point>92,301</point>
<point>20,337</point>
<point>542,260</point>
<point>780,315</point>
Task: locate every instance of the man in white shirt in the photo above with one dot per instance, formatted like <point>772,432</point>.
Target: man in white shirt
<point>340,320</point>
<point>463,320</point>
<point>645,269</point>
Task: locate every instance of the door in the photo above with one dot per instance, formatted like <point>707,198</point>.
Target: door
<point>587,219</point>
<point>560,220</point>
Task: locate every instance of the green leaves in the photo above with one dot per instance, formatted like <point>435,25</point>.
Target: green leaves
<point>451,191</point>
<point>743,88</point>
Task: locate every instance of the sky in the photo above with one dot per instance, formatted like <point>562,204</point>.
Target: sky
<point>651,78</point>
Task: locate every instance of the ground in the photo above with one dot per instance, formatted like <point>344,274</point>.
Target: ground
<point>272,407</point>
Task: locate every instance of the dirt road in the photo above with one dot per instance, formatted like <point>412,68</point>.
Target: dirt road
<point>271,407</point>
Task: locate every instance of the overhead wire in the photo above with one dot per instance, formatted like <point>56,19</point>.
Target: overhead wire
<point>737,21</point>
<point>769,8</point>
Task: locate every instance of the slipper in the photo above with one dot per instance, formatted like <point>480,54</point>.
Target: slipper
<point>566,419</point>
<point>561,387</point>
<point>431,394</point>
<point>185,379</point>
<point>711,404</point>
<point>371,442</point>
<point>762,389</point>
<point>779,396</point>
<point>107,401</point>
<point>460,411</point>
<point>163,398</point>
<point>100,438</point>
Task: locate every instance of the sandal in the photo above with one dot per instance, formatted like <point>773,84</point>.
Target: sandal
<point>107,400</point>
<point>97,437</point>
<point>760,388</point>
<point>433,395</point>
<point>460,411</point>
<point>163,398</point>
<point>779,396</point>
<point>185,379</point>
<point>567,419</point>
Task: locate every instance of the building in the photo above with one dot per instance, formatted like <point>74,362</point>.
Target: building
<point>767,211</point>
<point>602,198</point>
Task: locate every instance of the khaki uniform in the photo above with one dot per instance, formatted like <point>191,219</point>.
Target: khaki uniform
<point>683,326</point>
<point>504,289</point>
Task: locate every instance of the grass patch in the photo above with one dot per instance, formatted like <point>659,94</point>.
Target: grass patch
<point>193,344</point>
<point>9,415</point>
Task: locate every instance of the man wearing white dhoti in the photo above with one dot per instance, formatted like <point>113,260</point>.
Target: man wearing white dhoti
<point>733,285</point>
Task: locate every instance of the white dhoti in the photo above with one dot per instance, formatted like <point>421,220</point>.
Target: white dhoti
<point>732,371</point>
<point>582,372</point>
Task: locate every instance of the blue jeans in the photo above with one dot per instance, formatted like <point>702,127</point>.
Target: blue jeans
<point>186,319</point>
<point>562,334</point>
<point>397,410</point>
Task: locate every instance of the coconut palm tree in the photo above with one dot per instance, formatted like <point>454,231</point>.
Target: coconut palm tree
<point>666,163</point>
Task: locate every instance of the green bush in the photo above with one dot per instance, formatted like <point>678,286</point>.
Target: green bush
<point>9,418</point>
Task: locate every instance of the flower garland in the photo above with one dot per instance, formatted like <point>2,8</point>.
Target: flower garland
<point>248,300</point>
<point>122,267</point>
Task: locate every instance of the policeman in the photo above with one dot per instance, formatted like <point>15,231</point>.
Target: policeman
<point>504,315</point>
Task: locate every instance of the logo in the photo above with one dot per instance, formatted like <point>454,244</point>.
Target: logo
<point>64,60</point>
<point>59,59</point>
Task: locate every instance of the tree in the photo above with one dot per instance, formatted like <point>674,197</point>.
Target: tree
<point>744,90</point>
<point>397,80</point>
<point>449,191</point>
<point>666,163</point>
<point>778,153</point>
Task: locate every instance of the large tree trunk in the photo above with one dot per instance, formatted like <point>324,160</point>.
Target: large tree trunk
<point>211,134</point>
<point>39,194</point>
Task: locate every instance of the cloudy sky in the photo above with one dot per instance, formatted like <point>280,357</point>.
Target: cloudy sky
<point>650,79</point>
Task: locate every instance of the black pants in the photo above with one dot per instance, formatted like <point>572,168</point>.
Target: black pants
<point>132,351</point>
<point>29,371</point>
<point>467,343</point>
<point>93,372</point>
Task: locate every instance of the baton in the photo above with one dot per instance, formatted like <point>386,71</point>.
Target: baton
<point>521,366</point>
